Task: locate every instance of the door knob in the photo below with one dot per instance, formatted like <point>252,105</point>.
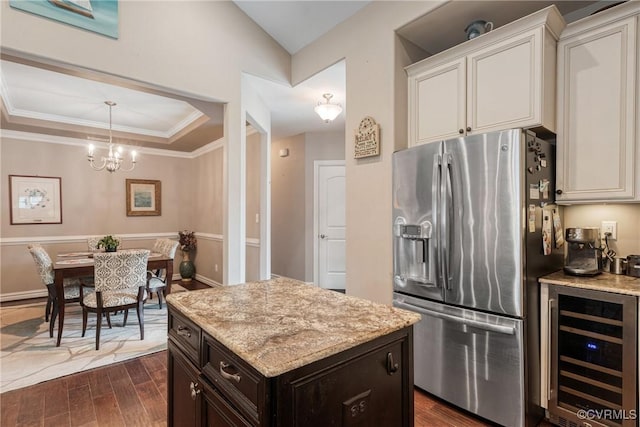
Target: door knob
<point>322,236</point>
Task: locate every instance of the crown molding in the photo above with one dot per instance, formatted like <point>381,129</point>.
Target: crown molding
<point>53,139</point>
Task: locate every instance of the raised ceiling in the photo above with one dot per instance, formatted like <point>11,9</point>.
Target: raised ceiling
<point>50,100</point>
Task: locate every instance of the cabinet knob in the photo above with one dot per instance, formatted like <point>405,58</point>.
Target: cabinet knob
<point>558,192</point>
<point>469,129</point>
<point>460,131</point>
<point>195,391</point>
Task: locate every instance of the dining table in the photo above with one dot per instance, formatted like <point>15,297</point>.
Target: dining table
<point>80,264</point>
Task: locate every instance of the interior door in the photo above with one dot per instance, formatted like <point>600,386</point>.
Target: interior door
<point>330,220</point>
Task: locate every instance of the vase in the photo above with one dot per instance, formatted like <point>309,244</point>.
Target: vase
<point>187,269</point>
<point>110,249</point>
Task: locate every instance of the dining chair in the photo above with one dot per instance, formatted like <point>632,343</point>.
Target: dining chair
<point>73,289</point>
<point>120,284</point>
<point>157,280</point>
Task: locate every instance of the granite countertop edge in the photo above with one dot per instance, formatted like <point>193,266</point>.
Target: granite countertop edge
<point>606,282</point>
<point>282,324</point>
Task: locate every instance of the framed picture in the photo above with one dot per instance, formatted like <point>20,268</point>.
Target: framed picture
<point>35,199</point>
<point>99,16</point>
<point>144,197</point>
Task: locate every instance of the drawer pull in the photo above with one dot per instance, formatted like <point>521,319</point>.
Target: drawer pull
<point>392,367</point>
<point>226,375</point>
<point>195,391</point>
<point>183,331</point>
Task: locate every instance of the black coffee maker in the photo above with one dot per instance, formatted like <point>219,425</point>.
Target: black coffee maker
<point>584,251</point>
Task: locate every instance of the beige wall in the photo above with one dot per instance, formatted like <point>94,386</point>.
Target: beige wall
<point>318,146</point>
<point>288,208</point>
<point>375,59</point>
<point>194,48</point>
<point>292,199</point>
<point>93,203</point>
<point>627,216</point>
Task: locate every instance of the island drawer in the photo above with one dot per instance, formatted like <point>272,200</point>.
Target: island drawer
<point>238,382</point>
<point>186,335</point>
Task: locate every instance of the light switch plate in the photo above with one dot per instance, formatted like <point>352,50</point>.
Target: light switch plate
<point>609,227</point>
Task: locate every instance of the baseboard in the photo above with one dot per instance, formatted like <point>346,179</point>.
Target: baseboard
<point>16,296</point>
<point>200,278</point>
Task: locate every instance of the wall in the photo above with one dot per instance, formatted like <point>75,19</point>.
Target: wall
<point>318,146</point>
<point>205,209</point>
<point>288,208</point>
<point>196,48</point>
<point>252,268</point>
<point>627,216</point>
<point>292,199</point>
<point>93,203</point>
<point>374,59</point>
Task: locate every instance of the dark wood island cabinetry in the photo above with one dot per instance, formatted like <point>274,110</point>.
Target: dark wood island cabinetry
<point>283,353</point>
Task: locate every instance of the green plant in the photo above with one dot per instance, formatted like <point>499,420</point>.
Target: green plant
<point>109,243</point>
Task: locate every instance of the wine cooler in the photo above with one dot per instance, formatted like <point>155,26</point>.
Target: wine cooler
<point>593,358</point>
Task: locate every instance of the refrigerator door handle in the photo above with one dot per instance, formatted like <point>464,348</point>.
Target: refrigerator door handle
<point>507,330</point>
<point>445,197</point>
<point>437,178</point>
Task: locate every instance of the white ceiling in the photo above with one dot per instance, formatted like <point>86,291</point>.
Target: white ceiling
<point>54,97</point>
<point>295,24</point>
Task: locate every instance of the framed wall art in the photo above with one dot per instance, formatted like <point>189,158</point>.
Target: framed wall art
<point>35,199</point>
<point>99,16</point>
<point>144,197</point>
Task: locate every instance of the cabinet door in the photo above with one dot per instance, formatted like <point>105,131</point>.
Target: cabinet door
<point>596,95</point>
<point>184,393</point>
<point>366,391</point>
<point>218,412</point>
<point>504,84</point>
<point>437,103</point>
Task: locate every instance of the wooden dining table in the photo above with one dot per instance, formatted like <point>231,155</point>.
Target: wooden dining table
<point>80,264</point>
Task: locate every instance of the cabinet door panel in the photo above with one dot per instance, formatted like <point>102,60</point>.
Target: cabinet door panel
<point>184,411</point>
<point>596,147</point>
<point>504,84</point>
<point>359,393</point>
<point>437,106</point>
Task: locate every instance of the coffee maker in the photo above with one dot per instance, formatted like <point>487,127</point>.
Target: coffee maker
<point>584,251</point>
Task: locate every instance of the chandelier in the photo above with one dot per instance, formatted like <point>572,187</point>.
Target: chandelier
<point>113,161</point>
<point>328,111</point>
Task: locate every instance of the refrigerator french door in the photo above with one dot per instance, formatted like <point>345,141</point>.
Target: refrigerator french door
<point>467,225</point>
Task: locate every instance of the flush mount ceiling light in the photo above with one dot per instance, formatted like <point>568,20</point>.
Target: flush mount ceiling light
<point>328,111</point>
<point>113,161</point>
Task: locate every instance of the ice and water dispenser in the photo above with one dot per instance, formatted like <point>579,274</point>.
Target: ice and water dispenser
<point>413,258</point>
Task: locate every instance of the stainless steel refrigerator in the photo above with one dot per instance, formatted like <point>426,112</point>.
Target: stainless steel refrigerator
<point>468,232</point>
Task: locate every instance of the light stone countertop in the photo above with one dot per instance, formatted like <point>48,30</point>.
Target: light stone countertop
<point>281,324</point>
<point>607,282</point>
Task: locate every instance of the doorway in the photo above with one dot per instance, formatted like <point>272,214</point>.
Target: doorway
<point>329,224</point>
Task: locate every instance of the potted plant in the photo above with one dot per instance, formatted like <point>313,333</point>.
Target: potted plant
<point>188,243</point>
<point>109,243</point>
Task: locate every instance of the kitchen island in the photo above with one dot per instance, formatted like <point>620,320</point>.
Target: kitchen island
<point>284,353</point>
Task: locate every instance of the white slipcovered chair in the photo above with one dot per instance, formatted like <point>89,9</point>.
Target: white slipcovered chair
<point>120,284</point>
<point>72,287</point>
<point>157,280</point>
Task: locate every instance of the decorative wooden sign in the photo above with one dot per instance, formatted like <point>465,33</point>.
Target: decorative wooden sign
<point>367,140</point>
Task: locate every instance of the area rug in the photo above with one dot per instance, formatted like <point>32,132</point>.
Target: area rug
<point>28,356</point>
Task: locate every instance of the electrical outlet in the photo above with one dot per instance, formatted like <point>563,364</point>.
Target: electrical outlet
<point>610,227</point>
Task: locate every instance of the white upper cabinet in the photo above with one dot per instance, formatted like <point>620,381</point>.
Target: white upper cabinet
<point>500,80</point>
<point>598,119</point>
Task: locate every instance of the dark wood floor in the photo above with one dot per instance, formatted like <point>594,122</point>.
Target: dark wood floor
<point>134,393</point>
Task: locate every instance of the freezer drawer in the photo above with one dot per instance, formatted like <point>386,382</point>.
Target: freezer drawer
<point>471,359</point>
